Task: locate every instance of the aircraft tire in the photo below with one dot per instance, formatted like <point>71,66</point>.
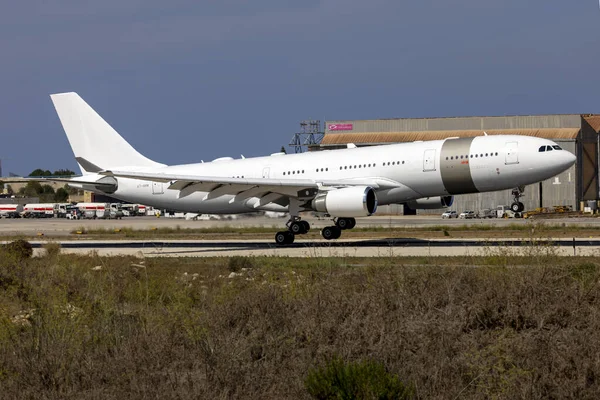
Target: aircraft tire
<point>521,207</point>
<point>352,223</point>
<point>338,232</point>
<point>343,223</point>
<point>306,226</point>
<point>297,227</point>
<point>331,232</point>
<point>515,207</point>
<point>284,237</point>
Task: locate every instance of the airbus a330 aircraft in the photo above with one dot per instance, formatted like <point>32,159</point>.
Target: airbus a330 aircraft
<point>344,183</point>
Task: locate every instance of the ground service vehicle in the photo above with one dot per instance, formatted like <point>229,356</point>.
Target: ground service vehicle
<point>449,215</point>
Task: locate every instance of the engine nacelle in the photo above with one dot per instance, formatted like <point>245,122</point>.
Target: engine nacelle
<point>357,201</point>
<point>427,203</point>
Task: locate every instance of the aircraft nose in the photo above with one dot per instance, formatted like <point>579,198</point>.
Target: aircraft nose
<point>568,159</point>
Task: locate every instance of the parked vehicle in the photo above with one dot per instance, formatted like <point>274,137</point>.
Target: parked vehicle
<point>467,215</point>
<point>501,210</point>
<point>486,213</point>
<point>11,210</point>
<point>39,210</point>
<point>449,214</point>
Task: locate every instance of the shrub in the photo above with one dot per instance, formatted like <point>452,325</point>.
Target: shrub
<point>52,249</point>
<point>236,263</point>
<point>20,249</point>
<point>358,380</point>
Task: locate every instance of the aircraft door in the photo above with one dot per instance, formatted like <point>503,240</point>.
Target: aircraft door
<point>512,153</point>
<point>266,172</point>
<point>429,160</point>
<point>157,188</point>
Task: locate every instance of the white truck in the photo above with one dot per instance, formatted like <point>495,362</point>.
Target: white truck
<point>94,210</point>
<point>39,210</point>
<point>11,210</point>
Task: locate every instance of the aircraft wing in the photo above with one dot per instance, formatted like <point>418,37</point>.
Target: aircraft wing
<point>244,188</point>
<point>74,180</point>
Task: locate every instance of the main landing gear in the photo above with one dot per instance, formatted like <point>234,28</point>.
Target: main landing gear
<point>517,206</point>
<point>298,227</point>
<point>295,227</point>
<point>334,232</point>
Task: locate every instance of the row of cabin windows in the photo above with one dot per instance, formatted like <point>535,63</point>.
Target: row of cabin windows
<point>358,166</point>
<point>393,163</point>
<point>549,148</point>
<point>322,169</point>
<point>472,156</point>
<point>294,172</point>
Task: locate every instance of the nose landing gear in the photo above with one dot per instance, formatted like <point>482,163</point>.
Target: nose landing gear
<point>517,206</point>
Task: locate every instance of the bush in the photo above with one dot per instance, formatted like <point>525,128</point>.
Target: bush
<point>359,380</point>
<point>236,263</point>
<point>21,249</point>
<point>52,249</point>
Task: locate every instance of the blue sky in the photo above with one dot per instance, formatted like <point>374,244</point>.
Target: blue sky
<point>187,80</point>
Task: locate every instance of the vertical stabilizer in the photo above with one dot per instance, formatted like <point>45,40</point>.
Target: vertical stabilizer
<point>92,139</point>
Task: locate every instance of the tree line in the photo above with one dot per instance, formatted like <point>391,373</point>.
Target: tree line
<point>45,192</point>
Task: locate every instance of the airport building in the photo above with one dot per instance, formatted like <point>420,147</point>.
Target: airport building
<point>577,133</point>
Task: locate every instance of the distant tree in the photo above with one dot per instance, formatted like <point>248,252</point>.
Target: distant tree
<point>63,172</point>
<point>9,189</point>
<point>73,191</point>
<point>283,150</point>
<point>47,189</point>
<point>61,195</point>
<point>40,172</point>
<point>32,189</point>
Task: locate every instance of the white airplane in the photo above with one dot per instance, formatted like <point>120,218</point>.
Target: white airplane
<point>344,183</point>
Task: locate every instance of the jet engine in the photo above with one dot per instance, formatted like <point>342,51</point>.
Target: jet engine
<point>427,203</point>
<point>356,201</point>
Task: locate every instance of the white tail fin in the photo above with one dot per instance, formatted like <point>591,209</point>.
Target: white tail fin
<point>95,143</point>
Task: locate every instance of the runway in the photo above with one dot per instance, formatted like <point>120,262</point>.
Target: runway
<point>320,248</point>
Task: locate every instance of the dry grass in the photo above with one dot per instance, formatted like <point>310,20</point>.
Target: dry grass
<point>494,326</point>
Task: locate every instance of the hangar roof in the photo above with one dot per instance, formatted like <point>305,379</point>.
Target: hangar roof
<point>332,139</point>
<point>594,121</point>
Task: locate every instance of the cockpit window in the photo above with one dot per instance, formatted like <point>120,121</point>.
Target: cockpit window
<point>556,147</point>
<point>548,148</point>
<point>542,149</point>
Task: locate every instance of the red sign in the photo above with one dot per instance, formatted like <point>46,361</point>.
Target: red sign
<point>340,127</point>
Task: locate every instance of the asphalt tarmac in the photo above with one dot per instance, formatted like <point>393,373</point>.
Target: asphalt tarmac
<point>61,227</point>
<point>50,228</point>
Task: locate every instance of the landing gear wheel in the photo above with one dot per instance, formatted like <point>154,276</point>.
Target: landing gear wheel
<point>521,207</point>
<point>306,226</point>
<point>284,237</point>
<point>297,227</point>
<point>345,223</point>
<point>331,232</point>
<point>515,207</point>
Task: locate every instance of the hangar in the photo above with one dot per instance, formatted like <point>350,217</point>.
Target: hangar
<point>577,133</point>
